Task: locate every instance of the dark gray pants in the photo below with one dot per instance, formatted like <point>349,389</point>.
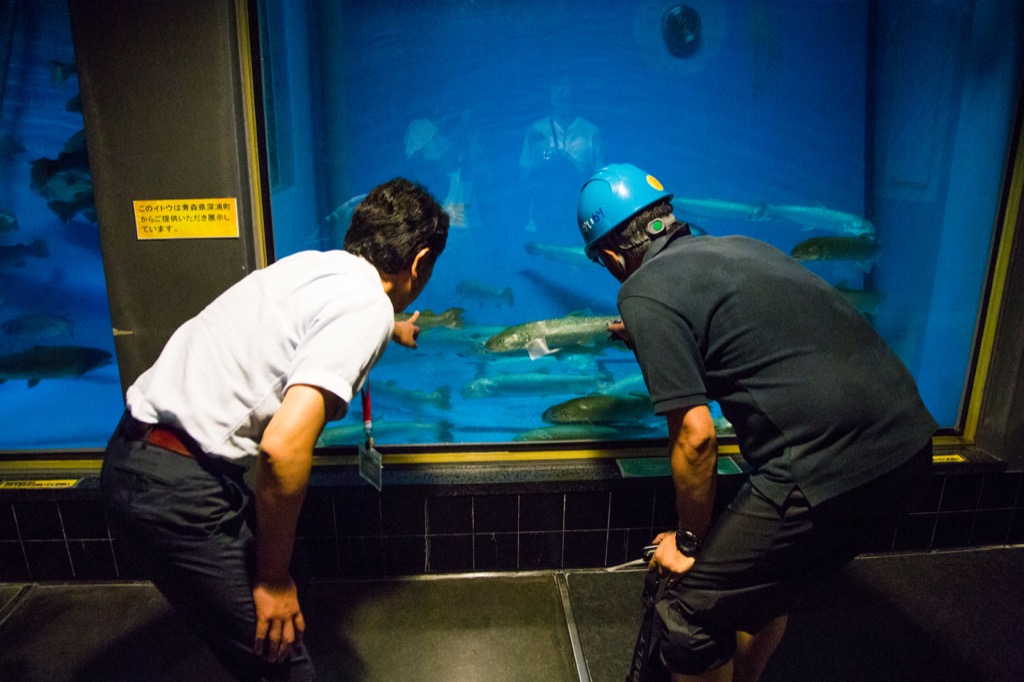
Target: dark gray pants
<point>188,522</point>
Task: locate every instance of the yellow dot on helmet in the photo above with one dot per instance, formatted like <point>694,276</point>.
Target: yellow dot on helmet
<point>653,182</point>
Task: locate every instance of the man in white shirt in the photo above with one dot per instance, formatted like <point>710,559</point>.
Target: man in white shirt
<point>250,382</point>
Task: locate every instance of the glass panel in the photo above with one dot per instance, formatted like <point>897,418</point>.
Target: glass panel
<point>871,134</point>
<point>59,385</point>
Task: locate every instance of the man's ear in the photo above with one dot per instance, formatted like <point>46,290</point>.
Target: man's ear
<point>423,260</point>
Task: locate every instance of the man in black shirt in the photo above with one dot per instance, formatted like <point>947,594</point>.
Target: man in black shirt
<point>829,419</point>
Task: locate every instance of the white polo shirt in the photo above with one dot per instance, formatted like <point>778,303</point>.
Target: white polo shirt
<point>316,318</point>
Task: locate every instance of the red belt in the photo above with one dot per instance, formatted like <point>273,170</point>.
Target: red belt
<point>167,438</point>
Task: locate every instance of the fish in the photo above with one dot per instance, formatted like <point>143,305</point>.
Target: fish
<point>51,362</point>
<point>15,254</point>
<point>532,383</point>
<point>39,326</point>
<point>718,209</point>
<point>484,294</point>
<point>66,184</point>
<point>866,302</point>
<point>61,71</point>
<point>8,222</point>
<point>74,103</point>
<point>861,249</point>
<point>441,397</point>
<point>600,408</point>
<point>568,432</point>
<point>449,319</point>
<point>395,432</point>
<point>821,218</point>
<point>548,336</point>
<point>569,255</point>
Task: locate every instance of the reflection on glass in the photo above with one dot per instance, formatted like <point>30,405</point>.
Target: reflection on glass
<point>865,139</point>
<point>59,386</point>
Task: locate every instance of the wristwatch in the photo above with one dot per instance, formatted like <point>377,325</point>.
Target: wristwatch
<point>687,542</point>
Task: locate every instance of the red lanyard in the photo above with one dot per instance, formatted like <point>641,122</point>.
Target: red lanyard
<point>367,412</point>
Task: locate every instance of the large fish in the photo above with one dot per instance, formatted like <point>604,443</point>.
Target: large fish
<point>821,218</point>
<point>548,336</point>
<point>485,294</point>
<point>866,302</point>
<point>428,319</point>
<point>390,432</point>
<point>39,326</point>
<point>600,408</point>
<point>570,255</point>
<point>717,209</point>
<point>65,183</point>
<point>15,254</point>
<point>860,249</point>
<point>532,383</point>
<point>51,362</point>
<point>441,397</point>
<point>568,432</point>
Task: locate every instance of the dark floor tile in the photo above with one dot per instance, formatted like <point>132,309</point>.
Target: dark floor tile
<point>665,516</point>
<point>316,520</point>
<point>12,563</point>
<point>631,508</point>
<point>496,551</point>
<point>617,553</point>
<point>361,557</point>
<point>961,493</point>
<point>879,540</point>
<point>496,513</point>
<point>128,565</point>
<point>953,529</point>
<point>8,528</point>
<point>402,512</point>
<point>540,551</point>
<point>321,556</point>
<point>48,560</point>
<point>92,559</point>
<point>448,515</point>
<point>541,512</point>
<point>404,555</point>
<point>1016,534</point>
<point>84,520</point>
<point>586,510</point>
<point>358,514</point>
<point>38,520</point>
<point>991,527</point>
<point>999,491</point>
<point>932,496</point>
<point>584,549</point>
<point>450,553</point>
<point>915,532</point>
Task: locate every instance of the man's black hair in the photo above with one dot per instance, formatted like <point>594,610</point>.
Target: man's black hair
<point>632,236</point>
<point>394,222</point>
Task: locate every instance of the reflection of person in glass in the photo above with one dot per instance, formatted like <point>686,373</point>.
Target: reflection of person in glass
<point>559,151</point>
<point>828,418</point>
<point>249,384</point>
<point>443,155</point>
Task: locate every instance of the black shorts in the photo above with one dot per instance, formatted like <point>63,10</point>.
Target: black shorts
<point>758,559</point>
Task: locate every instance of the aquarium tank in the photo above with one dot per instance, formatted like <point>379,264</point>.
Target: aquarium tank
<point>59,384</point>
<point>866,138</point>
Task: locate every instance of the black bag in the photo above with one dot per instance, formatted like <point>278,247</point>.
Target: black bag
<point>647,665</point>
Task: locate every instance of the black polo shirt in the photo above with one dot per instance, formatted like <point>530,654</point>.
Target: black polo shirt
<point>816,397</point>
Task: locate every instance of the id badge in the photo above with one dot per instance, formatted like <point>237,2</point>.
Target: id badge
<point>370,466</point>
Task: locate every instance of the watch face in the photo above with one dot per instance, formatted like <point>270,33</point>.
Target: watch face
<point>686,542</point>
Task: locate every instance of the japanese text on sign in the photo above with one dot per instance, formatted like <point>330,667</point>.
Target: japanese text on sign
<point>186,218</point>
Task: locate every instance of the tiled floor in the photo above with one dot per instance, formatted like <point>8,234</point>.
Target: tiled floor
<point>941,616</point>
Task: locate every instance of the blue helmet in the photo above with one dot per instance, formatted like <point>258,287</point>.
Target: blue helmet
<point>611,197</point>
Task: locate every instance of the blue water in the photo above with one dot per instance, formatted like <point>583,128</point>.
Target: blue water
<point>898,113</point>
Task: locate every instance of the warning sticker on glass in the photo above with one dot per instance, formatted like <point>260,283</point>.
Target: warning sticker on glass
<point>186,218</point>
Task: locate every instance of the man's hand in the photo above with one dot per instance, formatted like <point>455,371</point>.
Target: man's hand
<point>617,332</point>
<point>279,622</point>
<point>406,332</point>
<point>667,559</point>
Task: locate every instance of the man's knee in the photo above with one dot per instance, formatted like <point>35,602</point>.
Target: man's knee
<point>689,648</point>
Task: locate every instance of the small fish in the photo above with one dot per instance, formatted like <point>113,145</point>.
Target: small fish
<point>61,71</point>
<point>449,319</point>
<point>39,326</point>
<point>570,255</point>
<point>866,302</point>
<point>860,249</point>
<point>600,408</point>
<point>8,222</point>
<point>441,397</point>
<point>718,209</point>
<point>485,294</point>
<point>553,334</point>
<point>391,432</point>
<point>821,218</point>
<point>51,362</point>
<point>15,254</point>
<point>532,383</point>
<point>568,432</point>
<point>65,183</point>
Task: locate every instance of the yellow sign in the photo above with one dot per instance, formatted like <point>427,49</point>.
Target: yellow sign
<point>186,218</point>
<point>42,484</point>
<point>946,459</point>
